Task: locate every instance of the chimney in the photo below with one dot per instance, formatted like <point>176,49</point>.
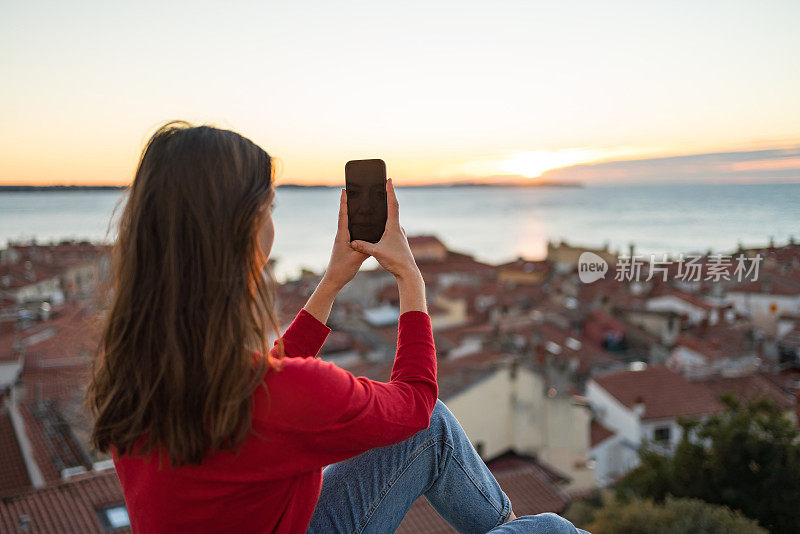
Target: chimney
<point>702,327</point>
<point>639,407</point>
<point>541,355</point>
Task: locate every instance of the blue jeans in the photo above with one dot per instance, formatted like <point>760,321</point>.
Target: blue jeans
<point>373,491</point>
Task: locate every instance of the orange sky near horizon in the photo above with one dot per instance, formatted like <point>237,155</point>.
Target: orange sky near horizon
<point>447,92</point>
<point>117,167</point>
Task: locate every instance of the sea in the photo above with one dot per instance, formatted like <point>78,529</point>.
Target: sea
<point>495,224</point>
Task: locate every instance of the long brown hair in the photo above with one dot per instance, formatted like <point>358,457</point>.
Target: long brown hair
<point>184,339</point>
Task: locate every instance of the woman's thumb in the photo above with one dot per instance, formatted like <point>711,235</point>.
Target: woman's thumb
<point>363,246</point>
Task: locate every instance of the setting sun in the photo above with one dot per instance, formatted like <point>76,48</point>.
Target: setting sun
<point>535,163</point>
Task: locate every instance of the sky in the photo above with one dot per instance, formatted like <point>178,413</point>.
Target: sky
<point>612,92</point>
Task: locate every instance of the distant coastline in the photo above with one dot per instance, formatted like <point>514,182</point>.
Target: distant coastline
<point>450,184</point>
<point>43,188</point>
<point>28,188</point>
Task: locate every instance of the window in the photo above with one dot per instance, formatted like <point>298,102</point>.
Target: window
<point>661,434</point>
<point>114,517</point>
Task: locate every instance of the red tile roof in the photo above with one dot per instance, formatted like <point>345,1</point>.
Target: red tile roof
<point>446,338</point>
<point>54,447</point>
<point>17,275</point>
<point>69,506</point>
<point>784,255</point>
<point>599,323</point>
<point>529,487</point>
<point>697,301</point>
<point>417,240</point>
<point>768,285</point>
<point>455,262</point>
<point>73,334</point>
<point>13,473</point>
<point>60,383</point>
<point>58,353</point>
<point>453,375</point>
<point>666,394</point>
<point>457,374</point>
<point>720,341</point>
<point>526,266</point>
<point>599,433</point>
<point>511,460</point>
<point>530,492</point>
<point>751,386</point>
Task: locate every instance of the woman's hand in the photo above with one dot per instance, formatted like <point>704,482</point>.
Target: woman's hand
<point>345,261</point>
<point>392,251</point>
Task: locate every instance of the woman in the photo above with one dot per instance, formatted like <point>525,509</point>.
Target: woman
<point>210,429</point>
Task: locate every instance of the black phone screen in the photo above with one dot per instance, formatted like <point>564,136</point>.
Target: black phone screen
<point>365,182</point>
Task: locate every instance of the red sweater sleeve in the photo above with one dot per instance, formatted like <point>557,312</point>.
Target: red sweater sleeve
<point>304,337</point>
<point>337,415</point>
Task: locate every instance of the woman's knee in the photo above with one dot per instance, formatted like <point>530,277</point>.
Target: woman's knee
<point>547,523</point>
<point>551,523</point>
<point>440,417</point>
<point>441,413</point>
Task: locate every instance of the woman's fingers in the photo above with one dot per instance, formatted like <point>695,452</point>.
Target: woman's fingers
<point>342,228</point>
<point>364,247</point>
<point>393,207</point>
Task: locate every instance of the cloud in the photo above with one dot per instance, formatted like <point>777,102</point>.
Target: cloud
<point>746,166</point>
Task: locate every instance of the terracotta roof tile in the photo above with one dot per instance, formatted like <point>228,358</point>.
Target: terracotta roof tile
<point>599,433</point>
<point>54,447</point>
<point>751,386</point>
<point>720,341</point>
<point>666,394</point>
<point>13,473</point>
<point>453,375</point>
<point>527,486</point>
<point>69,506</point>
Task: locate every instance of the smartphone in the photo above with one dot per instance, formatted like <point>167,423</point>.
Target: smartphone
<point>365,183</point>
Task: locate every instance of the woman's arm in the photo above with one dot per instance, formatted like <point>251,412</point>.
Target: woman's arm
<point>307,333</point>
<point>337,415</point>
<point>321,300</point>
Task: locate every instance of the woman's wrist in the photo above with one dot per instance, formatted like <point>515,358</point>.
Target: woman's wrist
<point>320,302</point>
<point>412,293</point>
<point>328,282</point>
<point>410,274</point>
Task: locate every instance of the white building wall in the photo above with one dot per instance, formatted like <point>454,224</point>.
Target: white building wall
<point>678,305</point>
<point>758,307</point>
<point>504,413</point>
<point>606,463</point>
<point>484,412</point>
<point>675,431</point>
<point>613,414</point>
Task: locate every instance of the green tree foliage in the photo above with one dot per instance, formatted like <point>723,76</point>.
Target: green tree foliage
<point>747,458</point>
<point>674,516</point>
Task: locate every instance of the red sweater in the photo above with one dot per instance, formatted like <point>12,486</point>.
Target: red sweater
<point>320,414</point>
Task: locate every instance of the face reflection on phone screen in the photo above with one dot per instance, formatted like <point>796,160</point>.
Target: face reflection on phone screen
<point>365,200</point>
<point>366,204</point>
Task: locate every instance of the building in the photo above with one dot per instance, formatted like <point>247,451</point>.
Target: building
<point>525,414</point>
<point>644,404</point>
